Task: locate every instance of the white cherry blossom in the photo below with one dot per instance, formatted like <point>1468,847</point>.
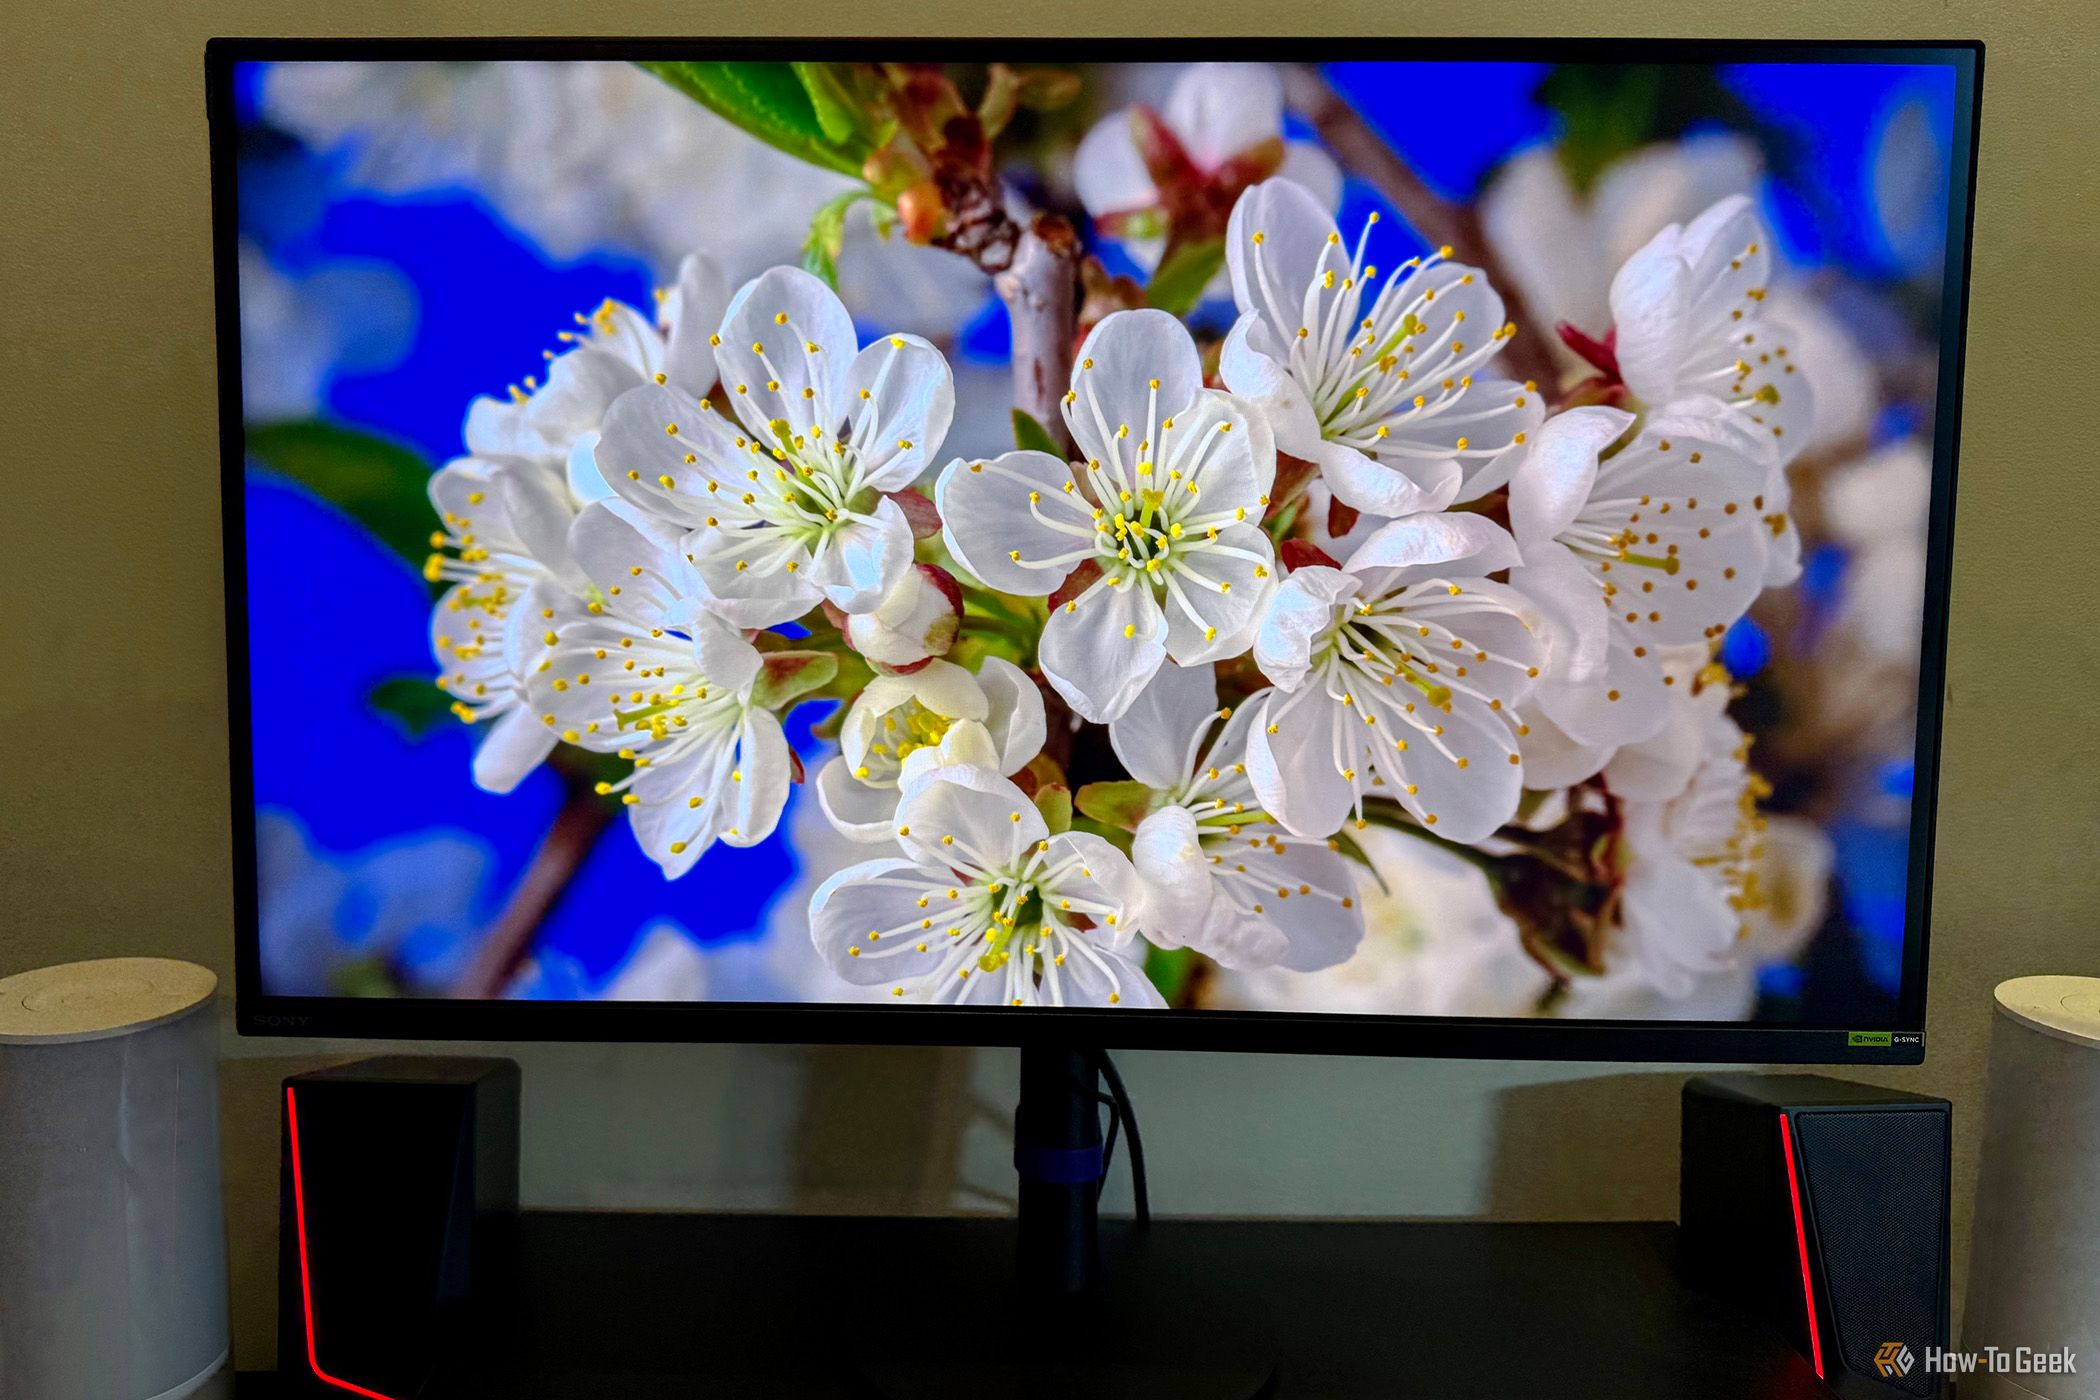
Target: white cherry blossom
<point>1219,875</point>
<point>650,675</point>
<point>1690,323</point>
<point>615,348</point>
<point>1226,119</point>
<point>939,716</point>
<point>1661,543</point>
<point>1165,517</point>
<point>1687,310</point>
<point>1398,675</point>
<point>1562,245</point>
<point>1388,392</point>
<point>505,522</point>
<point>918,619</point>
<point>1435,944</point>
<point>986,907</point>
<point>1692,869</point>
<point>786,496</point>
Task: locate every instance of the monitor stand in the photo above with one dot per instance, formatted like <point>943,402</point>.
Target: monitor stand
<point>1059,1331</point>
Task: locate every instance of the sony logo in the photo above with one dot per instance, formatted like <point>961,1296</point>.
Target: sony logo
<point>267,1021</point>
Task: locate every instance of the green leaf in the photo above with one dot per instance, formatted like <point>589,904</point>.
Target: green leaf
<point>1054,801</point>
<point>1179,282</point>
<point>827,235</point>
<point>787,676</point>
<point>1609,110</point>
<point>770,101</point>
<point>382,486</point>
<point>1031,436</point>
<point>838,116</point>
<point>414,704</point>
<point>1171,970</point>
<point>1119,804</point>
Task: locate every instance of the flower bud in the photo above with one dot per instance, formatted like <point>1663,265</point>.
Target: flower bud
<point>919,620</point>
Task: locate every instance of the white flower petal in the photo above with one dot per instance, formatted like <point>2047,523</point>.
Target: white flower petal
<point>1219,110</point>
<point>858,811</point>
<point>1460,783</point>
<point>864,559</point>
<point>1553,758</point>
<point>723,655</point>
<point>643,452</point>
<point>1624,705</point>
<point>1114,379</point>
<point>1014,717</point>
<point>1474,426</point>
<point>1099,650</point>
<point>764,770</point>
<point>516,744</point>
<point>1658,768</point>
<point>1103,876</point>
<point>987,517</point>
<point>1155,737</point>
<point>1167,850</point>
<point>1422,546</point>
<point>899,426</point>
<point>1576,622</point>
<point>869,898</point>
<point>1291,748</point>
<point>1224,445</point>
<point>767,333</point>
<point>1301,610</point>
<point>1105,977</point>
<point>991,822</point>
<point>1108,171</point>
<point>1275,241</point>
<point>691,312</point>
<point>1320,930</point>
<point>1651,301</point>
<point>967,743</point>
<point>765,592</point>
<point>1227,592</point>
<point>1676,923</point>
<point>1552,481</point>
<point>580,387</point>
<point>1254,366</point>
<point>586,482</point>
<point>620,548</point>
<point>1391,490</point>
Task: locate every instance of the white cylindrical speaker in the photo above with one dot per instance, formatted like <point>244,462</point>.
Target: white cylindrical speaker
<point>112,1247</point>
<point>2034,1257</point>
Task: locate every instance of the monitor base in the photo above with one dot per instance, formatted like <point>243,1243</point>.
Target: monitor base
<point>1083,1350</point>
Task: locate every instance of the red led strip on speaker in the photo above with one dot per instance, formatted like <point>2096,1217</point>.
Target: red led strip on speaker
<point>306,1278</point>
<point>1808,1290</point>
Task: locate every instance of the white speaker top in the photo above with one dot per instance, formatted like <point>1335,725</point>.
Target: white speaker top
<point>100,999</point>
<point>2065,1007</point>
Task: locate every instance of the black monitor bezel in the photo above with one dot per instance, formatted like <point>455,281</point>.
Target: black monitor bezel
<point>259,1013</point>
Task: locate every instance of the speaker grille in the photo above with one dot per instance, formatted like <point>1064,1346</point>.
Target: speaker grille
<point>1877,1184</point>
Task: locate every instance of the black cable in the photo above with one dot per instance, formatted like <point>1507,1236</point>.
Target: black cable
<point>1119,1098</point>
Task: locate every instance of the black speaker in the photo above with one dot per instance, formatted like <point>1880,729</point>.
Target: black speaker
<point>1822,1206</point>
<point>398,1220</point>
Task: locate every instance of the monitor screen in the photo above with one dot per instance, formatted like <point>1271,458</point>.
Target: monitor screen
<point>1439,549</point>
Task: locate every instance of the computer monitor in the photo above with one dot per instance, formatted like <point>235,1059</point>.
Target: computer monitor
<point>1396,547</point>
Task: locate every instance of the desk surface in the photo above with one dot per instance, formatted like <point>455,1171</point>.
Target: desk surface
<point>652,1307</point>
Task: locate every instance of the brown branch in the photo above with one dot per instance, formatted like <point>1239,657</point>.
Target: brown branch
<point>1035,271</point>
<point>577,826</point>
<point>1440,222</point>
<point>1041,292</point>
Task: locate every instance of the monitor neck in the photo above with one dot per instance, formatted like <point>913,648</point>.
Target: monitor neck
<point>1058,1154</point>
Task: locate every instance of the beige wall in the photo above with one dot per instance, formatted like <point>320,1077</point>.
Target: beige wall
<point>112,794</point>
